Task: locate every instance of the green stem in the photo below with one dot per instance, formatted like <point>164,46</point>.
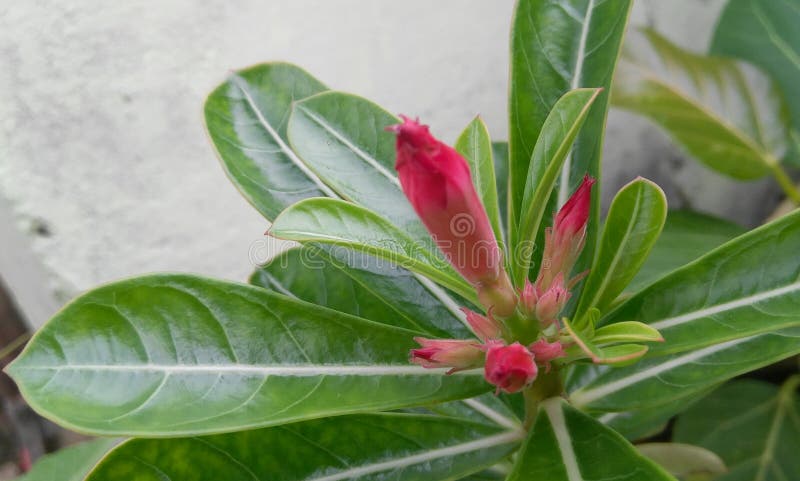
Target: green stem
<point>546,386</point>
<point>785,182</point>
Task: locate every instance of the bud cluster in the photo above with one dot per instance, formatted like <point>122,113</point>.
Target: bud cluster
<point>437,181</point>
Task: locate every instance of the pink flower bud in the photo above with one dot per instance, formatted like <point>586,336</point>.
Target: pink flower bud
<point>453,353</point>
<point>437,181</point>
<point>528,297</point>
<point>485,327</point>
<point>544,352</point>
<point>510,368</point>
<point>552,301</point>
<point>564,241</point>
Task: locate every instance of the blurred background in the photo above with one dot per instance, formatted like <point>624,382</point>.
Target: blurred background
<point>106,170</point>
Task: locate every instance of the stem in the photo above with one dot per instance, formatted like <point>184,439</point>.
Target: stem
<point>13,345</point>
<point>546,386</point>
<point>785,182</point>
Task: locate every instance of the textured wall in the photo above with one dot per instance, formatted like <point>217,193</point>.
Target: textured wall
<point>106,170</point>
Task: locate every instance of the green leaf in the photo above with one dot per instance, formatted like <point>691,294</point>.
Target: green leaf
<point>361,285</point>
<point>754,426</point>
<point>170,355</point>
<point>632,226</point>
<point>246,120</point>
<point>558,46</point>
<point>487,408</point>
<point>686,236</point>
<point>558,133</point>
<point>658,381</point>
<point>568,445</point>
<point>730,312</point>
<point>684,460</point>
<point>341,137</point>
<point>365,447</point>
<point>764,33</point>
<point>500,154</point>
<point>750,285</point>
<point>336,222</point>
<point>475,145</point>
<point>727,116</point>
<point>69,464</point>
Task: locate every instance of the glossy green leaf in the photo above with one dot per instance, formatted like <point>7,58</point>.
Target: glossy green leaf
<point>72,463</point>
<point>246,120</point>
<point>657,381</point>
<point>729,312</point>
<point>336,222</point>
<point>361,285</point>
<point>748,286</point>
<point>764,33</point>
<point>365,447</point>
<point>169,355</point>
<point>632,226</point>
<point>729,117</point>
<point>568,445</point>
<point>487,408</point>
<point>556,137</point>
<point>342,138</point>
<point>684,460</point>
<point>475,145</point>
<point>558,46</point>
<point>754,426</point>
<point>686,236</point>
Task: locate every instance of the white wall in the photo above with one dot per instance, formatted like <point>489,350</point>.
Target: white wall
<point>106,169</point>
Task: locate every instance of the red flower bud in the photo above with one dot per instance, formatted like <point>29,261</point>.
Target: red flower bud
<point>437,181</point>
<point>528,297</point>
<point>453,353</point>
<point>510,368</point>
<point>564,241</point>
<point>544,352</point>
<point>485,327</point>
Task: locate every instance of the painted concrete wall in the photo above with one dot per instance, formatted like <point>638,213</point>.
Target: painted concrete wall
<point>105,169</point>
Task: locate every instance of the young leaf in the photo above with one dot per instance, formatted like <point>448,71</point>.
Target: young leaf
<point>72,463</point>
<point>568,445</point>
<point>170,355</point>
<point>361,285</point>
<point>555,141</point>
<point>764,33</point>
<point>558,46</point>
<point>475,145</point>
<point>357,448</point>
<point>336,222</point>
<point>686,236</point>
<point>754,426</point>
<point>729,117</point>
<point>626,331</point>
<point>622,354</point>
<point>246,120</point>
<point>632,226</point>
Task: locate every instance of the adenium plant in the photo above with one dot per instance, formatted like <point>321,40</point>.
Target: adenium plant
<point>449,312</point>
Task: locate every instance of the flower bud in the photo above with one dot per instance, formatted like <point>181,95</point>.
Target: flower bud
<point>552,301</point>
<point>564,241</point>
<point>437,181</point>
<point>528,297</point>
<point>453,353</point>
<point>510,368</point>
<point>485,327</point>
<point>544,352</point>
